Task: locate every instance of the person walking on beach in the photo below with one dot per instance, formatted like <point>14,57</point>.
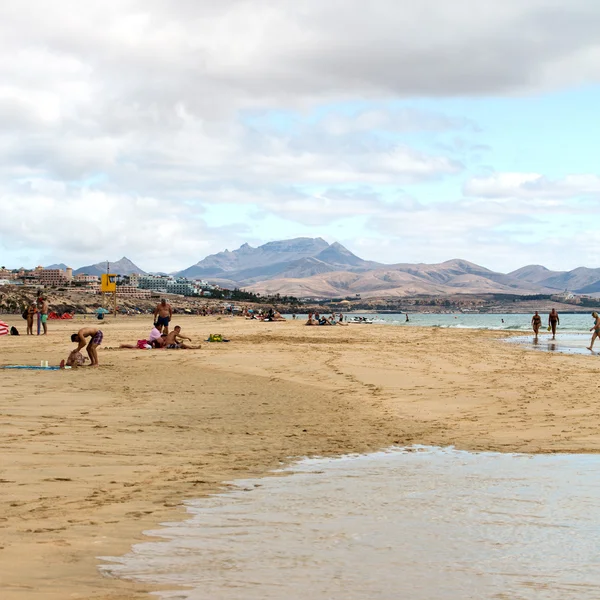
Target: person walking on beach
<point>95,336</point>
<point>43,308</point>
<point>536,323</point>
<point>595,329</point>
<point>163,313</point>
<point>553,321</point>
<point>31,312</point>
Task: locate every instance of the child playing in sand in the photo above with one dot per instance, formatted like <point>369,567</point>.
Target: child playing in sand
<point>95,336</point>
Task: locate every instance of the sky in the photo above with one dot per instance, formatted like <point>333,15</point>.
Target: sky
<point>407,131</point>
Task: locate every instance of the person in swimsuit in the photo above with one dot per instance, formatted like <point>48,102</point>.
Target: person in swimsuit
<point>536,323</point>
<point>174,341</point>
<point>595,329</point>
<point>95,336</point>
<point>163,314</point>
<point>553,321</point>
<point>31,312</point>
<point>43,308</point>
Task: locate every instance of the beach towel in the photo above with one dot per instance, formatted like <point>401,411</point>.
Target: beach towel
<point>4,329</point>
<point>30,368</point>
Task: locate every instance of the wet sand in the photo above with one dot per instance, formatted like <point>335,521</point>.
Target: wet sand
<point>92,457</point>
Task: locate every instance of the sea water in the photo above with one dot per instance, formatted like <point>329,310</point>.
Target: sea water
<point>572,323</point>
<point>410,524</point>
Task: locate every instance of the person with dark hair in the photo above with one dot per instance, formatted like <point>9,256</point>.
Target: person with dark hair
<point>43,309</point>
<point>31,313</point>
<point>96,336</point>
<point>163,313</point>
<point>536,323</point>
<point>553,321</point>
<point>174,340</point>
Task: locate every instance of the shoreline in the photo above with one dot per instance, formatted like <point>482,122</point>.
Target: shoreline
<point>94,457</point>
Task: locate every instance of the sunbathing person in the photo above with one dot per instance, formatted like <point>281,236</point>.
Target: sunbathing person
<point>310,320</point>
<point>174,340</point>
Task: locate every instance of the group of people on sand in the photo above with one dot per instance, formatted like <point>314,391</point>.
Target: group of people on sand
<point>318,319</point>
<point>270,315</point>
<point>37,308</point>
<point>159,337</point>
<point>553,322</point>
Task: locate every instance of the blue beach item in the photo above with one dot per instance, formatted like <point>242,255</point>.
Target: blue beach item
<point>31,368</point>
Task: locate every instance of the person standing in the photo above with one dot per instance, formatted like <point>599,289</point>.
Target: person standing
<point>595,329</point>
<point>31,313</point>
<point>43,308</point>
<point>163,313</point>
<point>536,323</point>
<point>553,321</point>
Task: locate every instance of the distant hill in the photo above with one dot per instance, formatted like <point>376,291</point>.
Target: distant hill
<point>120,267</point>
<point>582,280</point>
<point>455,276</point>
<point>299,257</point>
<point>60,266</point>
<point>311,267</point>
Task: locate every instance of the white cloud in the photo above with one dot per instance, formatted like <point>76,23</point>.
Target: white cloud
<point>112,108</point>
<point>532,185</point>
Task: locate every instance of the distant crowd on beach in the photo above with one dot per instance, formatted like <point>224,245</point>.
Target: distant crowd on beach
<point>160,335</point>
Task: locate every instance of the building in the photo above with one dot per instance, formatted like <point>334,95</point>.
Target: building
<point>130,291</point>
<point>183,287</point>
<point>7,274</point>
<point>153,282</point>
<point>51,277</point>
<point>90,283</point>
<point>86,279</point>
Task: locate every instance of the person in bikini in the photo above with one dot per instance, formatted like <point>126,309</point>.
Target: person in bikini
<point>31,315</point>
<point>95,336</point>
<point>174,341</point>
<point>163,314</point>
<point>595,329</point>
<point>536,323</point>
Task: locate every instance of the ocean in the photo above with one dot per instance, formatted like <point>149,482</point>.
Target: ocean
<point>415,524</point>
<point>574,323</point>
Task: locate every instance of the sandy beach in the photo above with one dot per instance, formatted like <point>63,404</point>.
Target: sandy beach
<point>92,457</point>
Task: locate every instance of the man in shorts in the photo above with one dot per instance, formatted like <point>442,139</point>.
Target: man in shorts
<point>95,336</point>
<point>162,316</point>
<point>43,308</point>
<point>174,341</point>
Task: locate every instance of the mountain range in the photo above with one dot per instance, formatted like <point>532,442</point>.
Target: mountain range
<point>312,267</point>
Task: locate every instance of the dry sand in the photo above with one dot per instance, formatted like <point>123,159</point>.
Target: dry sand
<point>92,457</point>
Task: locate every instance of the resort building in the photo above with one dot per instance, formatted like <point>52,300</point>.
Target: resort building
<point>130,291</point>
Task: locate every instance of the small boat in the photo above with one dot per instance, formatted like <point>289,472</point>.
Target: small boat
<point>362,320</point>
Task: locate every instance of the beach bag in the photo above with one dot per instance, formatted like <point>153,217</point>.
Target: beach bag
<point>24,315</point>
<point>215,337</point>
<point>14,331</point>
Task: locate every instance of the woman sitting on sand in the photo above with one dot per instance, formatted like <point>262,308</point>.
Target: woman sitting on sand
<point>595,329</point>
